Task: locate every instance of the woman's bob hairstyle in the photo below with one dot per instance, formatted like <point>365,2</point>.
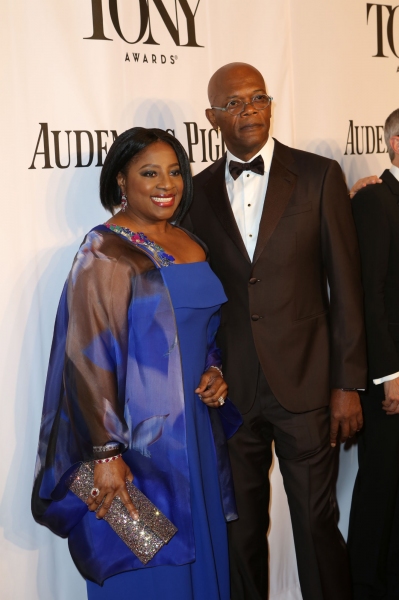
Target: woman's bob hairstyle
<point>124,149</point>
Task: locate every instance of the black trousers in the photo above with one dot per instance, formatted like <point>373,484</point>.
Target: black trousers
<point>307,464</point>
<point>373,540</point>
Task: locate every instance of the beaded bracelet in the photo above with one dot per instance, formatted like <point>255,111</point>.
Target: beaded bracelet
<point>107,447</point>
<point>217,369</point>
<point>99,461</point>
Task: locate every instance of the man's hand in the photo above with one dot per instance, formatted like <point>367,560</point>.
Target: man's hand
<point>212,388</point>
<point>361,183</point>
<point>391,402</point>
<point>345,414</point>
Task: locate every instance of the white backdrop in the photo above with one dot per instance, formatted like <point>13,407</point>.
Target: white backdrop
<point>62,97</point>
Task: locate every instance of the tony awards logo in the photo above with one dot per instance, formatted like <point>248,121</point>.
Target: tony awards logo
<point>181,25</point>
<point>386,21</point>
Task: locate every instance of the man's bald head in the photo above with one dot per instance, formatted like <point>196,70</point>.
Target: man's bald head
<point>246,132</point>
<point>223,77</point>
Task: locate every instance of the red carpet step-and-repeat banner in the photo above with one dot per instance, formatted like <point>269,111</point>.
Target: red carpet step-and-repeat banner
<point>76,74</point>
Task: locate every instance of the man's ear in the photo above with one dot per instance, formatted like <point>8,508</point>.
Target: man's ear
<point>210,115</point>
<point>394,142</point>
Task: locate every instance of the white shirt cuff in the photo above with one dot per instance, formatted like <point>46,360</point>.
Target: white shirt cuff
<point>386,378</point>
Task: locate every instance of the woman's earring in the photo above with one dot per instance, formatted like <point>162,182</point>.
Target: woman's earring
<point>123,203</point>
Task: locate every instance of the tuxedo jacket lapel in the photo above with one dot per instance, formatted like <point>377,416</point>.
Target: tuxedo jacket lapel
<point>282,181</point>
<point>215,189</point>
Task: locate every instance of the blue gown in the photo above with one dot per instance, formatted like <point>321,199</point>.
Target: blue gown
<point>196,295</point>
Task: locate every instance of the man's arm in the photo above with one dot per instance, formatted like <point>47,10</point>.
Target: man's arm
<point>341,259</point>
<point>348,348</point>
<point>374,240</point>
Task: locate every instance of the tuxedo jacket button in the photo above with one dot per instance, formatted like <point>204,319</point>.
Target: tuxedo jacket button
<point>255,317</point>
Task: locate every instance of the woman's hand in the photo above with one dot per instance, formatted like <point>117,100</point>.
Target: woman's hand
<point>110,479</point>
<point>361,183</point>
<point>212,388</point>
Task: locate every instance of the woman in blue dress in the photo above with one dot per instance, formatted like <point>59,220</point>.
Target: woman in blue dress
<point>135,384</point>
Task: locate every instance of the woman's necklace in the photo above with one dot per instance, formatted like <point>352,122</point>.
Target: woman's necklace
<point>140,239</point>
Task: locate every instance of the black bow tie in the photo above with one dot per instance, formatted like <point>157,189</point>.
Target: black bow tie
<point>256,165</point>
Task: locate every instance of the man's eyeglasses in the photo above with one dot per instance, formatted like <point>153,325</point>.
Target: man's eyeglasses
<point>236,107</point>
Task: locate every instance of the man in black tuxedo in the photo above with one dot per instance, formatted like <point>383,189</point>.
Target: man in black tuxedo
<point>278,225</point>
<point>374,523</point>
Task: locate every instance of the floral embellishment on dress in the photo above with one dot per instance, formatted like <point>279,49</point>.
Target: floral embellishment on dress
<point>141,240</point>
<point>146,433</point>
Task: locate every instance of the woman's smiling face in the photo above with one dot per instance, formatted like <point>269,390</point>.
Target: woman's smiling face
<point>152,184</point>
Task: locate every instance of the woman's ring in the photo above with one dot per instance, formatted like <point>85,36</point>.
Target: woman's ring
<point>221,401</point>
<point>94,492</point>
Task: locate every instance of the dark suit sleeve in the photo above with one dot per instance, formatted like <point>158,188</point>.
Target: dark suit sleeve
<point>374,240</point>
<point>342,263</point>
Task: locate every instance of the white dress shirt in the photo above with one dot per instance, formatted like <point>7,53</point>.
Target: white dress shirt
<point>395,172</point>
<point>247,195</point>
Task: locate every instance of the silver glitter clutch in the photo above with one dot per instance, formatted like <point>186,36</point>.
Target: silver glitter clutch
<point>145,536</point>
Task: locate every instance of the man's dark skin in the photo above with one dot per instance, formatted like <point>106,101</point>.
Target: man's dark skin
<point>245,135</point>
